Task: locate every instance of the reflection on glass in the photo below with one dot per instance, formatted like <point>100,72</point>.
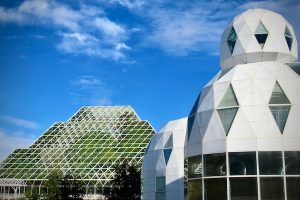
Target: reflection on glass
<point>195,167</point>
<point>195,189</point>
<point>292,162</point>
<point>243,188</point>
<point>160,183</point>
<point>160,187</point>
<point>270,162</point>
<point>271,188</point>
<point>160,196</point>
<point>215,189</point>
<point>215,164</point>
<point>292,188</point>
<point>242,163</point>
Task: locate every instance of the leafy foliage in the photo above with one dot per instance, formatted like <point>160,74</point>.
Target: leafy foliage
<point>126,184</point>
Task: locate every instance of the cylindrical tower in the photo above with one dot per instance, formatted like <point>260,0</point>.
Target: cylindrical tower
<point>244,129</point>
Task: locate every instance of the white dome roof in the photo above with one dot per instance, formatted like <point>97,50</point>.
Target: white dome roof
<point>258,35</point>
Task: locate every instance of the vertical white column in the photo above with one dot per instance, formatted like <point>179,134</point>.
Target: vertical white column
<point>258,177</point>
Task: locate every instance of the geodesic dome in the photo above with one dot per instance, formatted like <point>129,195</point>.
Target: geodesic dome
<point>243,131</point>
<point>258,35</point>
<point>163,164</point>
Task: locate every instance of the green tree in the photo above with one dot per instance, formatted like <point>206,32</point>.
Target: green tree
<point>71,188</point>
<point>53,186</point>
<point>126,184</point>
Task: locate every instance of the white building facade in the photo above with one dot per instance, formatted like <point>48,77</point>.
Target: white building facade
<point>163,165</point>
<point>244,129</point>
<point>243,133</point>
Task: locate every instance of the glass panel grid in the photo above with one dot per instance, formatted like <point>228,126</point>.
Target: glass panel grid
<point>90,143</point>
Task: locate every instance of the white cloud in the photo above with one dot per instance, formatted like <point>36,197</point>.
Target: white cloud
<point>130,4</point>
<point>80,30</point>
<point>108,27</point>
<point>89,90</point>
<point>8,143</point>
<point>19,122</point>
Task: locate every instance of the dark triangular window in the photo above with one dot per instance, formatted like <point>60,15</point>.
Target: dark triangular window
<point>288,37</point>
<point>229,98</point>
<point>227,116</point>
<point>261,34</point>
<point>231,40</point>
<point>280,114</point>
<point>167,154</point>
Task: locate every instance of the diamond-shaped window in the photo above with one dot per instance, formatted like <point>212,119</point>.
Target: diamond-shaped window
<point>231,40</point>
<point>228,108</point>
<point>288,37</point>
<point>261,34</point>
<point>280,106</point>
<point>168,149</point>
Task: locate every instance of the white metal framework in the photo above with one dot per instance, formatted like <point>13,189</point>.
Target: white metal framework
<point>88,145</point>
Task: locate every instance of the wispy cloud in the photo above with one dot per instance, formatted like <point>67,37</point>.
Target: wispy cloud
<point>88,90</point>
<point>184,27</point>
<point>10,142</point>
<point>19,122</point>
<point>86,30</point>
<point>177,27</point>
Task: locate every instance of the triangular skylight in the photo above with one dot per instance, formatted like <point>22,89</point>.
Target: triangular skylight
<point>167,154</point>
<point>229,98</point>
<point>261,34</point>
<point>224,71</point>
<point>231,40</point>
<point>280,114</point>
<point>288,37</point>
<point>278,96</point>
<point>169,143</point>
<point>227,116</point>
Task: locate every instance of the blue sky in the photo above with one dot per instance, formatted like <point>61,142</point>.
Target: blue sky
<point>155,55</point>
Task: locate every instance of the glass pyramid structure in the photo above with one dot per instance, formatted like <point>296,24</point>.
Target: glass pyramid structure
<point>88,145</point>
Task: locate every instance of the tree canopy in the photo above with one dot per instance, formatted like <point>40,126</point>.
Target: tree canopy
<point>126,184</point>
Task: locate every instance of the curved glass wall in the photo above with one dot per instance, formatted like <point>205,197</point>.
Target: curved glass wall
<point>267,175</point>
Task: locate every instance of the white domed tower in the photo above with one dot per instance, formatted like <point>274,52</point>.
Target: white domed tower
<point>244,129</point>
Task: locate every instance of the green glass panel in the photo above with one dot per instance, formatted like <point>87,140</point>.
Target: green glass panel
<point>295,66</point>
<point>261,34</point>
<point>194,189</point>
<point>227,116</point>
<point>261,29</point>
<point>169,143</point>
<point>231,40</point>
<point>229,98</point>
<point>160,184</point>
<point>278,96</point>
<point>280,114</point>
